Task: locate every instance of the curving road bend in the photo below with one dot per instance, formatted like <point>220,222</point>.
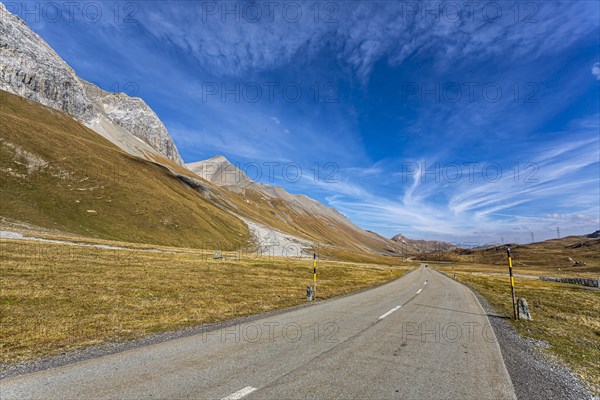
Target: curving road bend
<point>421,336</point>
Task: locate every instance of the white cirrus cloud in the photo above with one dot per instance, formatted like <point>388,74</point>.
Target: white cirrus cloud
<point>596,71</point>
<point>362,34</point>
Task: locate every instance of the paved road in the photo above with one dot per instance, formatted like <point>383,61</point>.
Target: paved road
<point>422,336</point>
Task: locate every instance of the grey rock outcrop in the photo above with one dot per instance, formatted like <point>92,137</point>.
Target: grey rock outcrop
<point>30,68</point>
<point>135,116</point>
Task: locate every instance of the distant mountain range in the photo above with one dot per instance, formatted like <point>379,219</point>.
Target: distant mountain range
<point>577,253</point>
<point>413,246</point>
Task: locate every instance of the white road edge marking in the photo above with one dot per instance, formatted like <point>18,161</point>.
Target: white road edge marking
<point>240,393</point>
<point>389,312</point>
<point>419,291</point>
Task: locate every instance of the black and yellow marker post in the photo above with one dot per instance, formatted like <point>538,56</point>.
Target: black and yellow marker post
<point>512,283</point>
<point>314,276</point>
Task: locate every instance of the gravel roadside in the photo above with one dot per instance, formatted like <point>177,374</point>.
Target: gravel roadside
<point>534,375</point>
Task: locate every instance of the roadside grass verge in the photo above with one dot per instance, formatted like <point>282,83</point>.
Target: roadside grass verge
<point>590,271</point>
<point>565,316</point>
<point>56,297</point>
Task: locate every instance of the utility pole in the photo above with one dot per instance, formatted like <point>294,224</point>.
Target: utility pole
<point>512,283</point>
<point>558,232</point>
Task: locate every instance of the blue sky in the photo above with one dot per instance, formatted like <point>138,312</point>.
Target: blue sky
<point>436,120</point>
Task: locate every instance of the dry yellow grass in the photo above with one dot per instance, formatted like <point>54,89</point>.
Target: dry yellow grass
<point>567,317</point>
<point>589,271</point>
<point>57,297</point>
<point>556,255</point>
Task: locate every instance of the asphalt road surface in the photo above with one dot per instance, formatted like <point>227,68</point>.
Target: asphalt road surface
<point>423,336</point>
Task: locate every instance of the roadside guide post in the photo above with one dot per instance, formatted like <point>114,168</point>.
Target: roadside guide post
<point>512,283</point>
<point>314,276</point>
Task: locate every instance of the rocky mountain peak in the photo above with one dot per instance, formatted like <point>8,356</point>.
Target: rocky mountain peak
<point>399,238</point>
<point>30,68</point>
<point>220,171</point>
<point>135,116</point>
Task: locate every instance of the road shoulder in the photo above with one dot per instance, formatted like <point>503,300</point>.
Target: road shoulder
<point>534,375</point>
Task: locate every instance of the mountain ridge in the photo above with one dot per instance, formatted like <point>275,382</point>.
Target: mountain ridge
<point>422,246</point>
<point>30,68</point>
<point>220,171</point>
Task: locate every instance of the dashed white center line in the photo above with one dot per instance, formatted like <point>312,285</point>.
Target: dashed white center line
<point>419,291</point>
<point>389,312</point>
<point>426,282</point>
<point>240,393</point>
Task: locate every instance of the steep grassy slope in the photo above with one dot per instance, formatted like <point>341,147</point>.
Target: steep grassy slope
<point>56,173</point>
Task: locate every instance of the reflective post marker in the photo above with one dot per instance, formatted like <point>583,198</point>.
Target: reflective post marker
<point>512,282</point>
<point>315,276</point>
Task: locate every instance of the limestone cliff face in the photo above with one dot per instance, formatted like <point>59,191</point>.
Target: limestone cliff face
<point>135,116</point>
<point>30,68</point>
